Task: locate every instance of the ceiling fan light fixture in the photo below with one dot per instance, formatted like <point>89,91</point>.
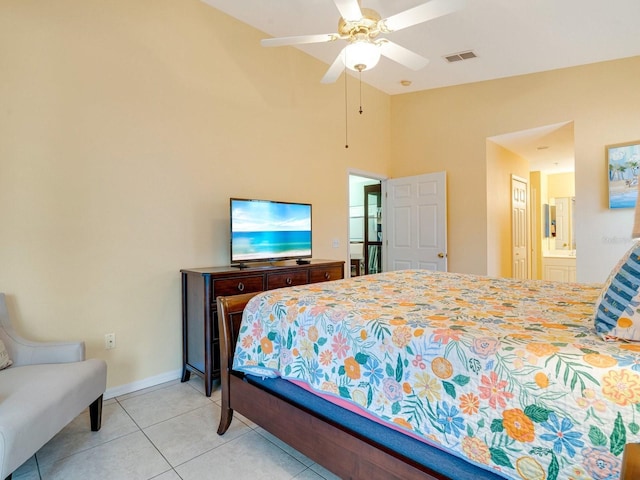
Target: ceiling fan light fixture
<point>360,27</point>
<point>361,55</point>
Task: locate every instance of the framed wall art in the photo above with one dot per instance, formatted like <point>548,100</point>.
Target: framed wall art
<point>623,167</point>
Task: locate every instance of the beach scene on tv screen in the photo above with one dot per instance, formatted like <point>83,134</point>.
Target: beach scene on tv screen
<point>266,230</point>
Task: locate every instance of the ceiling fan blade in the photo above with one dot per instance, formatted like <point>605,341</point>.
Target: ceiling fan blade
<point>336,68</point>
<point>349,9</point>
<point>402,55</point>
<point>298,40</point>
<point>422,13</point>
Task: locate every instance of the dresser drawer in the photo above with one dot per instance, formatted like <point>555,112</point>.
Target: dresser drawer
<point>235,286</point>
<point>325,274</point>
<point>287,279</point>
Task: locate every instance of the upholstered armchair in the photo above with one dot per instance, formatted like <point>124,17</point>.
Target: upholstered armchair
<point>47,385</point>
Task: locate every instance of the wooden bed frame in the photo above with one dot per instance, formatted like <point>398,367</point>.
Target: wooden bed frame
<point>342,451</point>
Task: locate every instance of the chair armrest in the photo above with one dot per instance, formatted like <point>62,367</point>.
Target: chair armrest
<point>27,352</point>
<point>49,352</point>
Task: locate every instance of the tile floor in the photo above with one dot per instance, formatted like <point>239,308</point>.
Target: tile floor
<point>167,432</point>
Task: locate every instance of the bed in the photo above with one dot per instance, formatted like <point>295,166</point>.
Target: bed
<point>420,374</point>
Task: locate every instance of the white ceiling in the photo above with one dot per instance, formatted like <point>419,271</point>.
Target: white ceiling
<point>509,37</point>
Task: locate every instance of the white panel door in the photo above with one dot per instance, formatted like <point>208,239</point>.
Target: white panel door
<point>416,226</point>
<point>519,236</point>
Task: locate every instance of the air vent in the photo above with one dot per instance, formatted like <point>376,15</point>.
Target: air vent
<point>457,57</point>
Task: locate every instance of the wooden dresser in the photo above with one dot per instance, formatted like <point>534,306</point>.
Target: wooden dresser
<point>201,287</point>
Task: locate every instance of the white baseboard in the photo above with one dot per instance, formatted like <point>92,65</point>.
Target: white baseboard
<point>140,384</point>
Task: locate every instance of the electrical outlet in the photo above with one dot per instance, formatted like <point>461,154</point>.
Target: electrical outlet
<point>335,243</point>
<point>110,341</point>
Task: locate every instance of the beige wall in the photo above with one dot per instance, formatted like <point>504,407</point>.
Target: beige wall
<point>125,126</point>
<point>501,165</point>
<point>447,128</point>
<point>561,184</point>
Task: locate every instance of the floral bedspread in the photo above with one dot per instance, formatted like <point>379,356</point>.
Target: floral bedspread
<point>509,375</point>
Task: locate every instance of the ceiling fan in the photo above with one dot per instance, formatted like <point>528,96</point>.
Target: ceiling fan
<point>361,27</point>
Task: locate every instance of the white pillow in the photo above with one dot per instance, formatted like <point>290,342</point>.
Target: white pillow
<point>4,357</point>
<point>618,307</point>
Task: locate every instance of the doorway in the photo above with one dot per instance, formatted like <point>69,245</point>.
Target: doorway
<point>398,223</point>
<point>547,155</point>
<point>372,229</point>
<point>365,224</point>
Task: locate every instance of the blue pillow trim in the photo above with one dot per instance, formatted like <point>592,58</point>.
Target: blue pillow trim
<point>623,277</point>
<point>615,296</point>
<point>618,297</point>
<point>604,325</point>
<point>607,314</point>
<point>624,281</point>
<point>629,274</point>
<point>622,291</point>
<point>613,306</point>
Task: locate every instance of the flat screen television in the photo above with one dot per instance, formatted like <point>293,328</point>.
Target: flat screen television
<point>267,230</point>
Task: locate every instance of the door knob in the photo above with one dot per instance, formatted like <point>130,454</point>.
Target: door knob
<point>441,255</point>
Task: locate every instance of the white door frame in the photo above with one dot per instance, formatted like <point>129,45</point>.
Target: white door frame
<point>534,232</point>
<point>373,176</point>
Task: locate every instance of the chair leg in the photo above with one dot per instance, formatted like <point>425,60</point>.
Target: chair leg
<point>95,412</point>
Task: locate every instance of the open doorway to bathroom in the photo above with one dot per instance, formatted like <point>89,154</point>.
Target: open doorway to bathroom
<point>547,154</point>
<point>365,224</point>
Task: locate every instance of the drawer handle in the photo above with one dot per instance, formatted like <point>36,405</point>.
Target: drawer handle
<point>241,286</point>
<point>289,282</point>
<point>327,275</point>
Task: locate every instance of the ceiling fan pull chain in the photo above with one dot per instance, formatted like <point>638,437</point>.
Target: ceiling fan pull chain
<point>360,93</point>
<point>346,112</point>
